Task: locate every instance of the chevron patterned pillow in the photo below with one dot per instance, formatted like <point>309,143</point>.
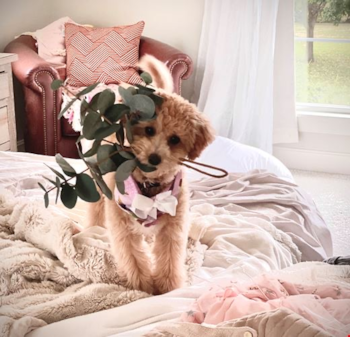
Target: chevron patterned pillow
<point>106,55</point>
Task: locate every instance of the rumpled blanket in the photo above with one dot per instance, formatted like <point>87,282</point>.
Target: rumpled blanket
<point>252,223</point>
<point>263,197</point>
<point>326,305</point>
<point>276,323</point>
<point>48,273</point>
<point>220,315</point>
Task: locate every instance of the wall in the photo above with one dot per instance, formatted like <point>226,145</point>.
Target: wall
<point>18,16</point>
<point>177,23</point>
<point>324,144</point>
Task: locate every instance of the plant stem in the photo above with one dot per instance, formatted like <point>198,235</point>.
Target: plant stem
<point>88,168</point>
<point>66,181</point>
<point>78,97</point>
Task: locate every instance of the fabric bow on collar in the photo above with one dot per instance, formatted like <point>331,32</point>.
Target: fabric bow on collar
<point>148,210</point>
<point>144,207</point>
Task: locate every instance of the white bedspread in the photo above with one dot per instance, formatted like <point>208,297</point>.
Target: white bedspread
<point>252,223</point>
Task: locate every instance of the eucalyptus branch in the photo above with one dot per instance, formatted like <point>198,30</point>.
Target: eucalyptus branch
<point>138,104</point>
<point>66,181</point>
<point>64,87</point>
<point>88,168</point>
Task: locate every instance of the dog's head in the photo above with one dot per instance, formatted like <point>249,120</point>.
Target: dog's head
<point>179,131</point>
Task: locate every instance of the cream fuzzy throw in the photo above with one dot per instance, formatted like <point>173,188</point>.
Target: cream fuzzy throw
<point>46,269</point>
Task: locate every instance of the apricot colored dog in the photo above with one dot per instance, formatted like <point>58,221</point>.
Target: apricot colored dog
<point>179,131</point>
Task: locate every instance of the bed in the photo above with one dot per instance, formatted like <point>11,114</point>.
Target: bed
<point>255,221</point>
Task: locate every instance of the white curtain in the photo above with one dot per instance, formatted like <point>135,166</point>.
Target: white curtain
<point>235,76</point>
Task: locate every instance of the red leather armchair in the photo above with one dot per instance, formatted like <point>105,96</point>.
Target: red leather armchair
<point>44,133</point>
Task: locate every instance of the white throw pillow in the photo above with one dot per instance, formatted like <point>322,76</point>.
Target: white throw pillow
<point>50,41</point>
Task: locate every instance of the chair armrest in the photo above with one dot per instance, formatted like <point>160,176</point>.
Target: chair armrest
<point>179,64</point>
<point>42,104</point>
<point>30,69</point>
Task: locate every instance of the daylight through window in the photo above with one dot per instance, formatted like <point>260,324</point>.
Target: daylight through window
<point>322,55</point>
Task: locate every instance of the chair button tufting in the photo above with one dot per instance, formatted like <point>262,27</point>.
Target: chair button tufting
<point>248,334</point>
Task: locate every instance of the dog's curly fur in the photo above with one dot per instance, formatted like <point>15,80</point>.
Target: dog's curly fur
<point>165,269</point>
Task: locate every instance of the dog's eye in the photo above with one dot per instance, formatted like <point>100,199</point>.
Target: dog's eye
<point>150,131</point>
<point>173,140</point>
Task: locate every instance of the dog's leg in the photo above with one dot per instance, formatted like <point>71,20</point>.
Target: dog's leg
<point>170,250</point>
<point>95,215</point>
<point>128,247</point>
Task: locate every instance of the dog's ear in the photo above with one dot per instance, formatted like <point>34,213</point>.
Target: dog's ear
<point>161,76</point>
<point>204,135</point>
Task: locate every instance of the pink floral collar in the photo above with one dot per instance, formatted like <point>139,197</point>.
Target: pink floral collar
<point>148,210</point>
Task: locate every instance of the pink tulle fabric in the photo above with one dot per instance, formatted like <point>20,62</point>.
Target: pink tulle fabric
<point>327,306</point>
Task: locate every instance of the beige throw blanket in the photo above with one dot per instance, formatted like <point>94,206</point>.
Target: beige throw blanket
<point>47,274</point>
<point>276,323</point>
<point>263,196</point>
<point>251,223</point>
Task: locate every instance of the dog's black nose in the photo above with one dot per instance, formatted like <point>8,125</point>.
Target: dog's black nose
<point>154,159</point>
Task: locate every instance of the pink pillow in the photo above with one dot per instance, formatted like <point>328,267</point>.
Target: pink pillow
<point>106,55</point>
<point>50,41</point>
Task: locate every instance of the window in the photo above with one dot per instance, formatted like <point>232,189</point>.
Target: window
<point>322,55</point>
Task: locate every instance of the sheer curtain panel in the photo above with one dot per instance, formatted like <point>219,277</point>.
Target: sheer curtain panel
<point>236,71</point>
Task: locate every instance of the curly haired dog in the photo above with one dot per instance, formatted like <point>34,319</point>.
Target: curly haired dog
<point>179,131</point>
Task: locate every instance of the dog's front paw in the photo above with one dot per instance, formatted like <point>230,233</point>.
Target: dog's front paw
<point>165,283</point>
<point>140,282</point>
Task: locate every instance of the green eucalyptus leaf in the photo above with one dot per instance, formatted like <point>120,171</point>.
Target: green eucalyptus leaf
<point>121,187</point>
<point>125,95</point>
<point>129,135</point>
<point>134,118</point>
<point>92,123</point>
<point>144,104</point>
<point>158,100</point>
<point>46,199</point>
<point>132,90</point>
<point>120,134</point>
<point>86,188</point>
<point>97,176</point>
<point>93,149</point>
<point>84,107</point>
<point>58,187</point>
<point>118,159</point>
<point>43,188</point>
<point>116,112</point>
<point>66,108</point>
<point>56,84</point>
<point>104,154</point>
<point>105,100</point>
<point>93,104</point>
<point>145,117</point>
<point>56,172</point>
<point>124,170</point>
<point>147,78</point>
<point>65,166</point>
<point>50,180</point>
<point>106,131</point>
<point>87,89</point>
<point>68,196</point>
<point>145,168</point>
<point>142,90</point>
<point>127,155</point>
<point>79,139</point>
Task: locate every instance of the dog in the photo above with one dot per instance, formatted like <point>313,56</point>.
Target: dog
<point>178,131</point>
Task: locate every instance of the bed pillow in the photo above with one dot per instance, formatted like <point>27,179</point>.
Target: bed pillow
<point>235,157</point>
<point>50,41</point>
<point>106,55</point>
